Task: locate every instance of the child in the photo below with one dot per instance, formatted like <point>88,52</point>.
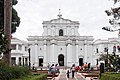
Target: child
<point>68,72</point>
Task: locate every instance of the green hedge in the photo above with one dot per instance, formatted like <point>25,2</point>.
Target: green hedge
<point>8,73</point>
<point>110,76</point>
<point>34,77</point>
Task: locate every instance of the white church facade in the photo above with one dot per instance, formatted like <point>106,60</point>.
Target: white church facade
<point>61,43</point>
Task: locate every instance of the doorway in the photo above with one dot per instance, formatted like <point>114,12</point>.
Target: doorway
<point>40,61</point>
<point>61,60</point>
<point>80,61</point>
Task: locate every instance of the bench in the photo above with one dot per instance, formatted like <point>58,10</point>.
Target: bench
<point>39,71</point>
<point>50,75</point>
<point>42,71</point>
<point>90,75</point>
<point>89,72</point>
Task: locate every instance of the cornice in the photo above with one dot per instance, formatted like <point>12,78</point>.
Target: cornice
<point>42,38</point>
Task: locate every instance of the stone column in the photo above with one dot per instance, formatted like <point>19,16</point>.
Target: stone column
<point>76,52</point>
<point>36,56</point>
<point>52,53</point>
<point>16,46</point>
<point>85,55</point>
<point>66,63</point>
<point>76,31</point>
<point>45,53</point>
<point>23,61</point>
<point>69,53</point>
<point>45,31</point>
<point>17,60</point>
<point>53,56</point>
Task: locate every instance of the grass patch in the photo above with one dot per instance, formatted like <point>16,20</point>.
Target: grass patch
<point>110,76</point>
<point>34,77</point>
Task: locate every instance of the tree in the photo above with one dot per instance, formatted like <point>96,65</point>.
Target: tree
<point>115,61</point>
<point>15,17</point>
<point>5,39</point>
<point>115,1</point>
<point>114,13</point>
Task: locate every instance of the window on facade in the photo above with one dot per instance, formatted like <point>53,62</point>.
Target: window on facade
<point>13,61</point>
<point>19,47</point>
<point>105,49</point>
<point>118,47</point>
<point>60,32</point>
<point>97,50</point>
<point>13,46</point>
<point>40,49</point>
<point>25,48</point>
<point>114,48</point>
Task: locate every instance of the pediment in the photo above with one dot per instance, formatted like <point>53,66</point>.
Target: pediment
<point>61,20</point>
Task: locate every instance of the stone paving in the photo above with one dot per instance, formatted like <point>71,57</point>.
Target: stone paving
<point>62,76</point>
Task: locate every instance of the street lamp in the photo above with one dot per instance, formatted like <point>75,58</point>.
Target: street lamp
<point>106,59</point>
<point>29,57</point>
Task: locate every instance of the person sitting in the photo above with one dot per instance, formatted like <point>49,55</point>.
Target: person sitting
<point>57,69</point>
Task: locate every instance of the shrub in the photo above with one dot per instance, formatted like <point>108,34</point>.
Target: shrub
<point>34,77</point>
<point>18,72</point>
<point>110,76</point>
<point>8,73</point>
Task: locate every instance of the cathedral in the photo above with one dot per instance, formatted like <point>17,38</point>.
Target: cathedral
<point>61,44</point>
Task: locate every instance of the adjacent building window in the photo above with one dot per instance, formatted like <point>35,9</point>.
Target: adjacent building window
<point>19,47</point>
<point>13,61</point>
<point>97,50</point>
<point>60,32</point>
<point>25,48</point>
<point>106,49</point>
<point>114,48</point>
<point>118,47</point>
<point>13,46</point>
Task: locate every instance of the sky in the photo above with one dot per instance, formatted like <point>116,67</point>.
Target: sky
<point>90,14</point>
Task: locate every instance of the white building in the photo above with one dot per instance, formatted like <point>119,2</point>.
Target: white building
<point>100,47</point>
<point>19,52</point>
<point>61,43</point>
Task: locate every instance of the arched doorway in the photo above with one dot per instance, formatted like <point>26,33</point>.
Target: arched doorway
<point>60,32</point>
<point>61,60</point>
<point>80,61</point>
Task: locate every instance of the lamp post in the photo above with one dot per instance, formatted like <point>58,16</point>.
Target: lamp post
<point>29,58</point>
<point>106,59</point>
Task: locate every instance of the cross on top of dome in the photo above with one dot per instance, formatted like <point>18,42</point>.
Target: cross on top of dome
<point>59,15</point>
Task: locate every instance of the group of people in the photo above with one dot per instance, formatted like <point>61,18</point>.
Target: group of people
<point>86,66</point>
<point>74,69</point>
<point>53,69</point>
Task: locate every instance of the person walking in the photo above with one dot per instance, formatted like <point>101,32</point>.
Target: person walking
<point>68,72</point>
<point>73,70</point>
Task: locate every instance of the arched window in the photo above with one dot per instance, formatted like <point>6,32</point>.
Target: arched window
<point>60,32</point>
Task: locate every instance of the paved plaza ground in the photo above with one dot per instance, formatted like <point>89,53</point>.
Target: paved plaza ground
<point>62,76</point>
